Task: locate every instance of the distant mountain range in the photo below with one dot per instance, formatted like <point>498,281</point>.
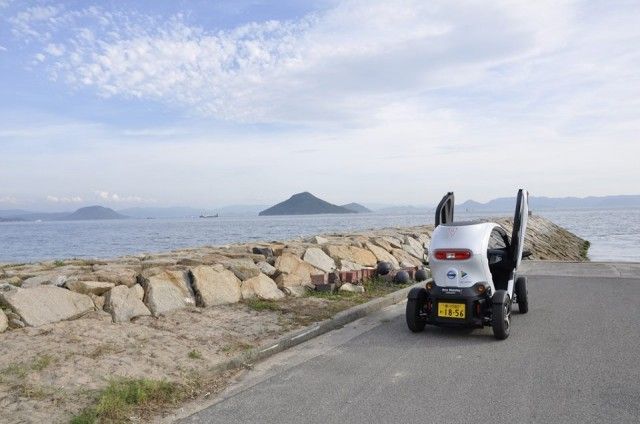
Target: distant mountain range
<point>357,208</point>
<point>546,203</point>
<point>82,214</point>
<point>308,204</point>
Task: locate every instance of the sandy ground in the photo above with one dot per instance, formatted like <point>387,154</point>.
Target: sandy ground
<point>50,373</point>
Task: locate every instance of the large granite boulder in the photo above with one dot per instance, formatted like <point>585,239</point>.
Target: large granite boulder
<point>381,242</point>
<point>316,257</point>
<point>382,255</point>
<point>168,291</point>
<point>44,304</point>
<point>413,247</point>
<point>261,286</point>
<point>318,240</point>
<point>89,287</point>
<point>293,270</point>
<point>266,268</point>
<point>394,242</point>
<point>123,304</point>
<point>405,259</point>
<point>48,279</point>
<point>295,291</point>
<point>354,254</point>
<point>214,285</point>
<point>349,266</point>
<point>244,269</point>
<point>117,274</point>
<point>14,281</point>
<point>4,321</point>
<point>292,280</point>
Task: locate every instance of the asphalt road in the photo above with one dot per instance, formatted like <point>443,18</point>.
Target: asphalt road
<point>574,358</point>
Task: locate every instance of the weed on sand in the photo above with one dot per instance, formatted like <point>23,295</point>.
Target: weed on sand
<point>124,397</point>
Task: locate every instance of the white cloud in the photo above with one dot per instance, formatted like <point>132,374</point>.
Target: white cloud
<point>2,48</point>
<point>71,199</point>
<point>54,49</point>
<point>12,200</point>
<point>341,64</point>
<point>390,94</point>
<point>117,198</point>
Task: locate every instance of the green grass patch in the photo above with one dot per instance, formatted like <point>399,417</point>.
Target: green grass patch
<point>58,263</point>
<point>41,362</point>
<point>124,397</point>
<point>21,370</point>
<point>262,305</point>
<point>237,345</point>
<point>194,354</point>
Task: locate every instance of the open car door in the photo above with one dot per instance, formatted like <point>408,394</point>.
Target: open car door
<point>519,227</point>
<point>444,211</point>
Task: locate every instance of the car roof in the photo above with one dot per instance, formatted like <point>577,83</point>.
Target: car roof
<point>464,223</point>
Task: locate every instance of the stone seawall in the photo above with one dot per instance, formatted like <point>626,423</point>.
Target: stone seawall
<point>156,284</point>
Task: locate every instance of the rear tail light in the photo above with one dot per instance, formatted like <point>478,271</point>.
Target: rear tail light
<point>452,254</point>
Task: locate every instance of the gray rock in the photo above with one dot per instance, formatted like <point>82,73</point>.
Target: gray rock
<point>316,257</point>
<point>382,255</point>
<point>89,287</point>
<point>349,266</point>
<point>295,291</point>
<point>116,274</point>
<point>123,304</point>
<point>4,322</point>
<point>58,280</point>
<point>262,287</point>
<point>413,247</point>
<point>16,323</point>
<point>138,290</point>
<point>244,269</point>
<point>168,291</point>
<point>318,240</point>
<point>266,268</point>
<point>214,285</point>
<point>264,251</point>
<point>14,281</point>
<point>45,304</point>
<point>98,301</point>
<point>348,287</point>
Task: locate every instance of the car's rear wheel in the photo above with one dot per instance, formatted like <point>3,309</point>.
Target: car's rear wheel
<point>415,305</point>
<point>522,295</point>
<point>501,314</point>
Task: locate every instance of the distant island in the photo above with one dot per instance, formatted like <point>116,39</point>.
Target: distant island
<point>83,214</point>
<point>357,208</point>
<point>550,203</point>
<point>307,204</point>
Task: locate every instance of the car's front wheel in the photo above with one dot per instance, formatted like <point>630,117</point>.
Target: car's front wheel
<point>501,314</point>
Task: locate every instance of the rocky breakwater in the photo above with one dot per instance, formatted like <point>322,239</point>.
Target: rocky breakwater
<point>143,285</point>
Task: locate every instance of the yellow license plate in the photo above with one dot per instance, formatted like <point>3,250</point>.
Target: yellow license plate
<point>451,310</point>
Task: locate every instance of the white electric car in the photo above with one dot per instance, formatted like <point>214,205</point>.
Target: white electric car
<point>474,266</point>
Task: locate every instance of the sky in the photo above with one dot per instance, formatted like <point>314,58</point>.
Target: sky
<point>211,103</point>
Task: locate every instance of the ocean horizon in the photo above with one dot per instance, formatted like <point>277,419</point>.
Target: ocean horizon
<point>614,234</point>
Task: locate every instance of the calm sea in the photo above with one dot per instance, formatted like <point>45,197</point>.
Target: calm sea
<point>614,234</point>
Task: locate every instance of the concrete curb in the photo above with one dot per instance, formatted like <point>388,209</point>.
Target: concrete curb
<point>339,320</point>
